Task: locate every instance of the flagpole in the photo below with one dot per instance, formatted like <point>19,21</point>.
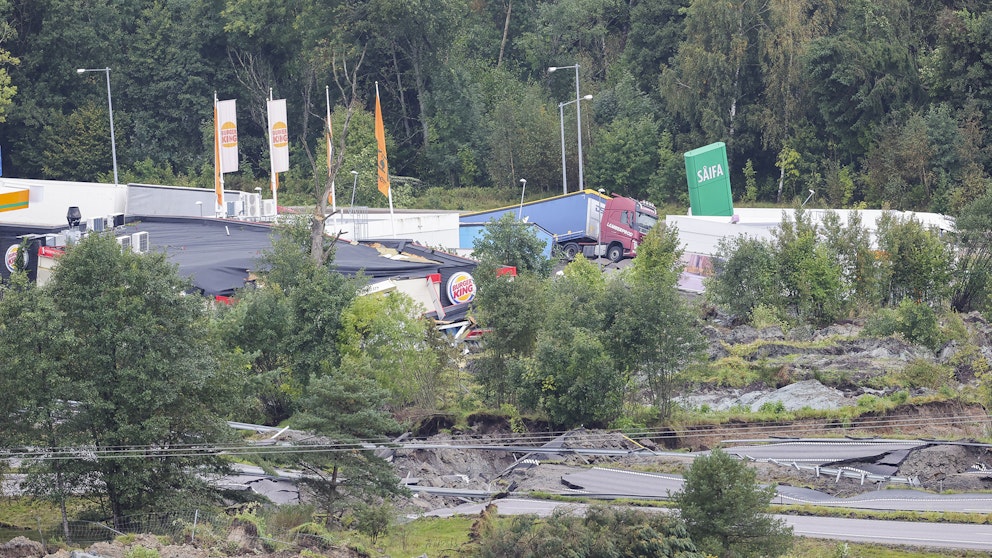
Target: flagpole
<point>330,151</point>
<point>274,184</point>
<point>218,162</point>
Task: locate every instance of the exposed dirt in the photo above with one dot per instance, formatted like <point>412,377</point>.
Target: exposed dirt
<point>937,467</point>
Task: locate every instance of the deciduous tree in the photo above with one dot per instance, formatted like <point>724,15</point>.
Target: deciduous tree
<point>143,372</point>
<point>571,376</point>
<point>745,276</point>
<point>652,333</point>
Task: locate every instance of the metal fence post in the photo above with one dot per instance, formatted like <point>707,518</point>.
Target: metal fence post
<point>192,535</point>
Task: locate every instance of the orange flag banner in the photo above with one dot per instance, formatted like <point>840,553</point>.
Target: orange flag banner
<point>380,138</point>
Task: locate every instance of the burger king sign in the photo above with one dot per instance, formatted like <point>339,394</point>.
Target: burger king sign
<point>461,288</point>
<point>10,258</point>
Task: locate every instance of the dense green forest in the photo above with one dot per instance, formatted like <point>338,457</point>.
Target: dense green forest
<point>869,103</point>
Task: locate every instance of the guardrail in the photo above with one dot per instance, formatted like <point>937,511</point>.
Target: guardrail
<point>842,472</point>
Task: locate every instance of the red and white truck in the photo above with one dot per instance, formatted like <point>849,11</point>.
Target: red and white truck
<point>586,222</point>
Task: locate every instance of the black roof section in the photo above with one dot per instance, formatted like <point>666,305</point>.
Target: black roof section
<point>218,255</point>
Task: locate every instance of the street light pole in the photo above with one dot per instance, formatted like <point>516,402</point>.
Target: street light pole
<point>110,108</point>
<point>578,116</point>
<point>522,190</point>
<point>561,119</point>
<point>354,185</point>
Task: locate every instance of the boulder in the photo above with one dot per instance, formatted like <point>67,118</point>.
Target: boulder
<point>21,547</point>
<point>808,393</point>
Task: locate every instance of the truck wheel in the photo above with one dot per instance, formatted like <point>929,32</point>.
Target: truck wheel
<point>614,253</point>
<point>571,250</point>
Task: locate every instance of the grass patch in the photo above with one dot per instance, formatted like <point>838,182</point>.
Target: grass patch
<point>730,371</point>
<point>823,548</point>
<point>433,536</point>
<point>27,513</point>
<point>885,515</point>
<point>842,418</point>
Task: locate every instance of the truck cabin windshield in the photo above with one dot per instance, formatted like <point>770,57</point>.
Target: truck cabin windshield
<point>645,222</point>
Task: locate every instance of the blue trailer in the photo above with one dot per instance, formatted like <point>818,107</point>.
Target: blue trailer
<point>570,218</point>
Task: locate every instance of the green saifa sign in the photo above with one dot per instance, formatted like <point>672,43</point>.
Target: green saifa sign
<point>708,177</point>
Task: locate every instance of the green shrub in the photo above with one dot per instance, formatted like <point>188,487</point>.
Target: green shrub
<point>126,539</point>
<point>919,324</point>
<point>867,401</point>
<point>315,533</point>
<point>926,374</point>
<point>969,359</point>
<point>954,328</point>
<point>283,519</point>
<point>373,521</point>
<point>739,409</point>
<point>764,315</point>
<point>916,322</point>
<point>772,407</point>
<point>141,552</point>
<point>731,371</point>
<point>900,397</point>
<point>883,323</point>
<point>512,414</point>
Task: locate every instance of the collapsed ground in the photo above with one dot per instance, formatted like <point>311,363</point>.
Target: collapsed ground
<point>826,369</point>
<point>823,369</point>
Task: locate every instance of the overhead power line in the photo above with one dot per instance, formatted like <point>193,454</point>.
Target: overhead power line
<point>588,439</point>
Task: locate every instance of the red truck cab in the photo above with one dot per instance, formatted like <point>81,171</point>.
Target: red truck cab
<point>624,224</point>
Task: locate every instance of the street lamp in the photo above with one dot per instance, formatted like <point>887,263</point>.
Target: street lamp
<point>561,119</point>
<point>199,204</point>
<point>110,107</point>
<point>578,116</point>
<point>354,185</point>
<point>522,190</point>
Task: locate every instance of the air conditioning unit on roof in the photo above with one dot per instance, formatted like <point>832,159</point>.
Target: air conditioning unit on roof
<point>98,224</point>
<point>252,204</point>
<point>139,242</point>
<point>268,208</point>
<point>125,242</point>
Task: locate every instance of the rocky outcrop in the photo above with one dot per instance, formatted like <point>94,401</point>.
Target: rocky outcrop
<point>803,394</point>
<point>21,547</point>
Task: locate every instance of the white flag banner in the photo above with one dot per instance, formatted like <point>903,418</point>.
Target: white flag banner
<point>278,135</point>
<point>227,126</point>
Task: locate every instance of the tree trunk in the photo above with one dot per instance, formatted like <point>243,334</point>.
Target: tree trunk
<point>506,33</point>
<point>317,226</point>
<point>421,95</point>
<point>401,94</point>
<point>781,182</point>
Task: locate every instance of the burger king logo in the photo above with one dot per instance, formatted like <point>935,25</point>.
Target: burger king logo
<point>229,134</point>
<point>280,135</point>
<point>10,257</point>
<point>461,288</point>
